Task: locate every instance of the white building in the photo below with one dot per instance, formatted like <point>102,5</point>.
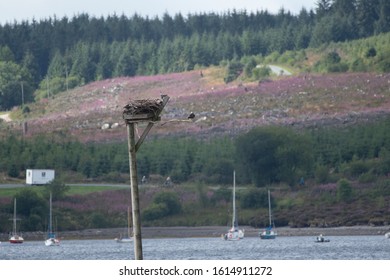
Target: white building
<point>39,176</point>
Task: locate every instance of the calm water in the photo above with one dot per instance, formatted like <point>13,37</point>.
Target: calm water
<point>283,248</point>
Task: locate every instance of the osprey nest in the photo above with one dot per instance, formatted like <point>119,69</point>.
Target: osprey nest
<point>146,107</point>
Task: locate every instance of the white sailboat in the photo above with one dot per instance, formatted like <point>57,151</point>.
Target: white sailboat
<point>269,232</point>
<point>234,233</point>
<point>128,238</point>
<point>51,236</point>
<point>15,238</point>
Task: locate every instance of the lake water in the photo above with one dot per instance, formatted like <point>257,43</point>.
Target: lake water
<point>282,248</point>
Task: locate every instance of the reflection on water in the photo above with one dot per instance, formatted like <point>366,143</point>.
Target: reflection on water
<point>282,248</point>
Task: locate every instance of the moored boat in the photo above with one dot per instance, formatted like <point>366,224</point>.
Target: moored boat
<point>128,238</point>
<point>51,236</point>
<point>269,232</point>
<point>234,233</point>
<point>124,239</point>
<point>15,237</point>
<point>320,238</point>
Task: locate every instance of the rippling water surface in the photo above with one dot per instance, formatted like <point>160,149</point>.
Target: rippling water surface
<point>282,248</point>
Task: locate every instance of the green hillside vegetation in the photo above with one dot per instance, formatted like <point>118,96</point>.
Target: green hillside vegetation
<point>318,177</point>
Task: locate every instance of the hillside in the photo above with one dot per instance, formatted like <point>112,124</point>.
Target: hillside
<point>303,100</point>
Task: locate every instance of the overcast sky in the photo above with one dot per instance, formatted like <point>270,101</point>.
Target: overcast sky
<point>11,10</point>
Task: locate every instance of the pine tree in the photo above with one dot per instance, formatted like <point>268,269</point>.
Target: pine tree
<point>323,7</point>
<point>383,23</point>
<point>367,14</point>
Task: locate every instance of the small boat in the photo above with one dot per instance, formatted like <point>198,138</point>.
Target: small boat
<point>15,238</point>
<point>320,239</point>
<point>128,238</point>
<point>387,235</point>
<point>269,232</point>
<point>51,236</point>
<point>234,233</point>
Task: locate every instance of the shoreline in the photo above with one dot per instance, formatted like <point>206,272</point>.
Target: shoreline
<point>204,232</point>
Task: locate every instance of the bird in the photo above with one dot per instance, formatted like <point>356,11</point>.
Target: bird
<point>191,116</point>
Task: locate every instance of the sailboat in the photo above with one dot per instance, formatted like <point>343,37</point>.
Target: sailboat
<point>15,238</point>
<point>128,238</point>
<point>51,236</point>
<point>234,233</point>
<point>269,232</point>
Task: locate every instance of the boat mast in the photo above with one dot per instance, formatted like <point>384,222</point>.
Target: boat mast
<point>234,222</point>
<point>269,208</point>
<point>14,229</point>
<point>50,215</point>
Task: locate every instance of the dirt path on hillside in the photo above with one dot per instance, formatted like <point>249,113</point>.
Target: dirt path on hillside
<point>5,117</point>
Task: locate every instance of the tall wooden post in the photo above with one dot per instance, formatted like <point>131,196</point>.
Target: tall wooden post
<point>132,117</point>
<point>134,193</point>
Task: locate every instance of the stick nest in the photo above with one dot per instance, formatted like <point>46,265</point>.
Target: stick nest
<point>145,106</point>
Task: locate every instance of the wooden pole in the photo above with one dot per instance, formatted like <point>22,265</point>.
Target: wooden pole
<point>134,193</point>
<point>133,148</point>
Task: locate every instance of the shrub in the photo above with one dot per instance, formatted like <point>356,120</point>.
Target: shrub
<point>164,204</point>
<point>332,58</point>
<point>371,52</point>
<point>171,200</point>
<point>234,69</point>
<point>13,171</point>
<point>261,72</point>
<point>155,211</point>
<point>26,110</point>
<point>331,63</point>
<point>249,68</point>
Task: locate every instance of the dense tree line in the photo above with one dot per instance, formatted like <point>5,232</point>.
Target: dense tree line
<point>40,58</point>
<point>261,157</point>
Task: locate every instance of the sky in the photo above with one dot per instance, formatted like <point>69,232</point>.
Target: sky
<point>21,10</point>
